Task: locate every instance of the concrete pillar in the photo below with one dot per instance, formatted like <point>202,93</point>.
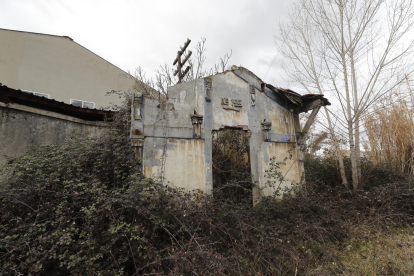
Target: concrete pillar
<point>208,139</point>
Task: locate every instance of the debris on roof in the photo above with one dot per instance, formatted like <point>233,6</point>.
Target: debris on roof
<point>290,95</point>
<point>301,103</point>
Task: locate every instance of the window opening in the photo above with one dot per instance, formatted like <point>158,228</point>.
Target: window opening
<point>47,96</point>
<point>83,104</point>
<point>42,95</point>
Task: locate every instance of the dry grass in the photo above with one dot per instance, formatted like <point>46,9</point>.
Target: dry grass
<point>390,129</point>
<point>380,232</point>
<point>382,254</point>
<point>379,252</point>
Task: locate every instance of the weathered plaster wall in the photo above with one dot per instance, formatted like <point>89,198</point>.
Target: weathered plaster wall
<point>168,127</point>
<point>291,170</point>
<point>232,88</point>
<point>22,127</point>
<point>184,162</point>
<point>283,144</point>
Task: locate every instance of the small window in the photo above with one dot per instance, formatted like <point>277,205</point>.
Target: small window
<point>88,105</point>
<point>37,94</point>
<point>41,95</point>
<point>76,103</point>
<point>82,104</point>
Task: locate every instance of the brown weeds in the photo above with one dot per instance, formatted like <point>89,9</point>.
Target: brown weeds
<point>390,131</point>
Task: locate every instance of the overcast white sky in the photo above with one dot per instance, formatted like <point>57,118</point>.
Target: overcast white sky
<point>132,33</point>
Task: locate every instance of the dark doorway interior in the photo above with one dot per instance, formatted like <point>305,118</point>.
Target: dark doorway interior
<point>231,164</point>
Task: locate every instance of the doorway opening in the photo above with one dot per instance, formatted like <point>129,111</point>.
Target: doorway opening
<point>231,164</point>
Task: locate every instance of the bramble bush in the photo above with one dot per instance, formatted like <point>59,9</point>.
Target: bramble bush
<point>84,208</point>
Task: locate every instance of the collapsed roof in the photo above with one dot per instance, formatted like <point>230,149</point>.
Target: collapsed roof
<point>299,103</point>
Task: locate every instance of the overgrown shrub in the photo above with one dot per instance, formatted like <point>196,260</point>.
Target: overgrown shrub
<point>322,172</point>
<point>84,209</point>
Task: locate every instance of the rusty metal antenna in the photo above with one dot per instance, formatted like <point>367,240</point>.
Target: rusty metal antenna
<point>181,63</point>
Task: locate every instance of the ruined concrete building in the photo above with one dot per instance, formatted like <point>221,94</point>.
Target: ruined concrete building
<point>175,137</point>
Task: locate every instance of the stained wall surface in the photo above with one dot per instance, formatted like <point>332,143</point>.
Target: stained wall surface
<point>231,99</point>
<point>282,146</point>
<point>60,67</point>
<point>184,162</point>
<point>22,127</point>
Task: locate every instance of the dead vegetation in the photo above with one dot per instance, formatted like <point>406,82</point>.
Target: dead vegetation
<point>357,51</point>
<point>84,209</point>
<point>165,76</point>
<point>390,131</point>
<point>379,252</point>
<point>71,211</point>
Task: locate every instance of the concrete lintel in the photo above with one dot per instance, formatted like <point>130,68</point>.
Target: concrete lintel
<point>169,132</point>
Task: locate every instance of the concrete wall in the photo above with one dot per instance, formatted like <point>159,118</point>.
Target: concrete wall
<point>285,125</point>
<point>58,66</point>
<point>186,162</point>
<point>22,127</point>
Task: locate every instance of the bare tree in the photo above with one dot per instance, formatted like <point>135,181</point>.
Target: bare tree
<point>358,50</point>
<point>145,85</point>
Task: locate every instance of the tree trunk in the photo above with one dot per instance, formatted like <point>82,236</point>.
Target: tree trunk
<point>352,150</point>
<point>358,151</point>
<point>356,112</point>
<point>338,151</point>
<point>348,103</point>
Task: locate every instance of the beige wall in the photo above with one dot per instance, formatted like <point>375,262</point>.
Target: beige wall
<point>58,66</point>
<point>183,168</point>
